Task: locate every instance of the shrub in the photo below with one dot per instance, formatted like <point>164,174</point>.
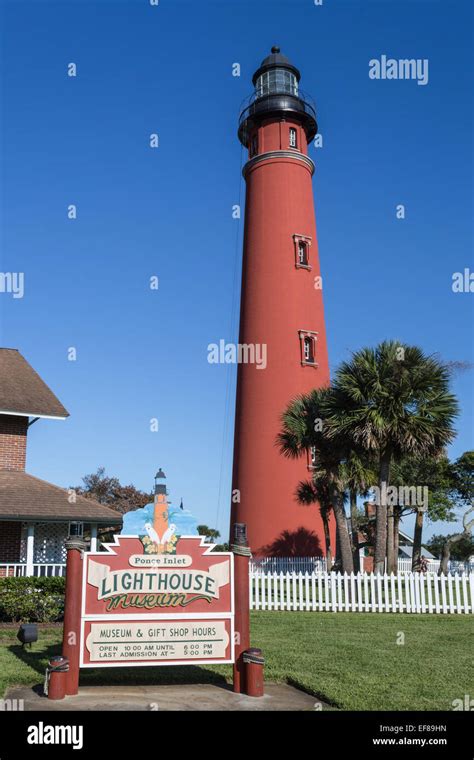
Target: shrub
<point>48,608</point>
<point>51,585</point>
<point>34,600</point>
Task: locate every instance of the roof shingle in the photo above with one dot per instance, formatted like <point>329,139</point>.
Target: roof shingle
<point>22,391</point>
<point>24,497</point>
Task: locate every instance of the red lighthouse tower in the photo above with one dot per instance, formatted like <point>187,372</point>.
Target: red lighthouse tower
<point>281,308</point>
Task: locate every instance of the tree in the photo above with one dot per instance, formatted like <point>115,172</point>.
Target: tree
<point>108,490</point>
<point>463,493</point>
<point>463,478</point>
<point>210,534</point>
<point>392,401</point>
<point>434,474</point>
<point>461,550</point>
<point>358,475</point>
<point>222,547</point>
<point>299,435</point>
<point>317,492</point>
<point>468,525</point>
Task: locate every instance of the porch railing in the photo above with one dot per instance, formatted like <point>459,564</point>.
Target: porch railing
<point>19,570</point>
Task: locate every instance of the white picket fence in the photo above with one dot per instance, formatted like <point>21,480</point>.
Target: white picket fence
<point>362,592</point>
<point>404,565</point>
<point>432,566</point>
<point>318,564</point>
<point>288,565</point>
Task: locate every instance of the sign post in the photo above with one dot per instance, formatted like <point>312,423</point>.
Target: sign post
<point>242,554</point>
<point>72,612</point>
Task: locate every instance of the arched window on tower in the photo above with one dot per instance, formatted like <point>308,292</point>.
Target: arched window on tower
<point>308,350</point>
<point>308,347</point>
<point>303,252</point>
<point>302,244</point>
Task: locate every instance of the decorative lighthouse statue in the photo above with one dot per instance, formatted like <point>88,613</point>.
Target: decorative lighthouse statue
<point>160,512</point>
<point>281,308</point>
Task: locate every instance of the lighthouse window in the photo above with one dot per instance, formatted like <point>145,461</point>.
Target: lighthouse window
<point>312,456</point>
<point>277,80</point>
<point>308,347</point>
<point>254,145</point>
<point>293,140</point>
<point>308,350</point>
<point>303,253</point>
<point>302,244</point>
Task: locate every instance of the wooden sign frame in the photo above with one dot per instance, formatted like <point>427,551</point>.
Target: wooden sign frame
<point>195,583</point>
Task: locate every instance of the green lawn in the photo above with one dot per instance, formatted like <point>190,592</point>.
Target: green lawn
<point>351,660</point>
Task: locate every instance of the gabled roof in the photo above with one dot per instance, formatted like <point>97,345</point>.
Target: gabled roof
<point>23,392</point>
<point>24,497</point>
<point>408,550</point>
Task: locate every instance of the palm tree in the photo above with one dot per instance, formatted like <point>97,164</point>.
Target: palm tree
<point>316,492</point>
<point>358,475</point>
<point>298,436</point>
<point>210,534</point>
<point>392,400</point>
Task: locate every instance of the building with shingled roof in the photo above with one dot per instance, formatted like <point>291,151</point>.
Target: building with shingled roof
<point>35,516</point>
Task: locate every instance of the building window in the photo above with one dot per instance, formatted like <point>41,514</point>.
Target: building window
<point>76,529</point>
<point>312,457</point>
<point>275,81</point>
<point>254,145</point>
<point>303,253</point>
<point>302,244</point>
<point>293,138</point>
<point>308,347</point>
<point>308,350</point>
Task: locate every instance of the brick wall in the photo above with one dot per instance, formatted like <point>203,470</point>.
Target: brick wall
<point>10,541</point>
<point>13,432</point>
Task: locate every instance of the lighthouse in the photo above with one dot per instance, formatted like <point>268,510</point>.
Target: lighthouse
<point>281,309</point>
<point>160,510</point>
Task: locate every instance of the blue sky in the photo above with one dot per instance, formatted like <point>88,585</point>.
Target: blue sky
<point>142,354</point>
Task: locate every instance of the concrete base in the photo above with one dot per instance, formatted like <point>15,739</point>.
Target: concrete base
<point>173,697</point>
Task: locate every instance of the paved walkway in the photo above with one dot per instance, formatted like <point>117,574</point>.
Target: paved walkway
<point>174,697</point>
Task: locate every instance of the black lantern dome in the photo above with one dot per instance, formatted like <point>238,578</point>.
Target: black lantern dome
<point>277,94</point>
<point>160,488</point>
<point>276,61</point>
